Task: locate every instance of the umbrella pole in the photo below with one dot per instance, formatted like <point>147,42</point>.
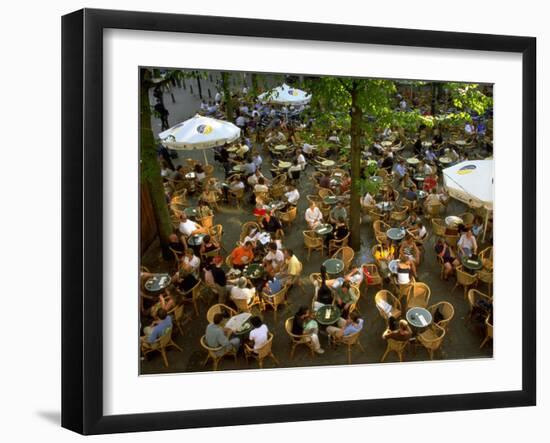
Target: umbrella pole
<point>205,159</point>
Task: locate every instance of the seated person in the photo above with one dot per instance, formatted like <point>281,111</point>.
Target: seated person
<point>313,215</point>
<point>199,172</point>
<point>410,251</point>
<point>242,292</point>
<point>467,244</point>
<point>273,286</point>
<point>324,181</point>
<point>345,298</point>
<point>208,245</point>
<point>156,329</point>
<point>419,232</point>
<point>432,198</point>
<point>188,227</point>
<point>368,201</point>
<point>167,301</point>
<point>339,232</point>
<point>190,263</point>
<point>338,212</point>
<point>407,183</point>
<point>300,159</point>
<point>292,267</point>
<point>235,184</point>
<point>404,271</point>
<point>176,245</point>
<point>430,183</point>
<point>410,194</point>
<point>357,275</point>
<point>242,255</point>
<point>447,256</point>
<point>218,281</point>
<point>410,221</point>
<point>292,195</point>
<point>402,333</point>
<point>259,334</point>
<point>477,227</point>
<point>346,327</point>
<point>270,223</point>
<point>304,324</point>
<point>274,260</point>
<point>218,337</point>
<point>260,186</point>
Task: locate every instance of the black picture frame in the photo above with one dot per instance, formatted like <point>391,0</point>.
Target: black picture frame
<point>82,219</point>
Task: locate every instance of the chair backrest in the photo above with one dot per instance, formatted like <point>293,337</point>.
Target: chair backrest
<point>386,297</point>
<point>397,345</point>
<point>464,278</point>
<point>241,304</point>
<point>217,309</point>
<point>211,351</point>
<point>474,295</point>
<point>351,339</point>
<point>310,241</point>
<point>380,226</point>
<point>265,350</point>
<point>228,261</point>
<point>345,253</point>
<point>177,312</point>
<point>434,209</point>
<point>419,295</point>
<point>165,338</point>
<point>288,329</point>
<point>399,215</point>
<point>289,215</point>
<point>325,192</point>
<point>446,310</point>
<point>373,269</point>
<point>375,215</point>
<point>438,226</point>
<point>434,340</point>
<point>216,232</point>
<point>277,298</point>
<point>489,328</point>
<point>451,240</point>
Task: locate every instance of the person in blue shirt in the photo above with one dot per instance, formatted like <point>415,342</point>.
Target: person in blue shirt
<point>273,286</point>
<point>401,169</point>
<point>158,327</point>
<point>346,327</point>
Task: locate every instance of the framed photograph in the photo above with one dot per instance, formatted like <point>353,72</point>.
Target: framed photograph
<point>270,221</point>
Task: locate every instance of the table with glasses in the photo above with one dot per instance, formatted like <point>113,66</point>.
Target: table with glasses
<point>191,212</point>
<point>413,161</point>
<point>385,206</point>
<point>328,163</point>
<point>158,282</point>
<point>334,266</point>
<point>196,239</point>
<point>323,229</point>
<point>471,263</point>
<point>330,200</point>
<point>452,221</point>
<point>254,271</point>
<point>240,324</point>
<point>419,319</point>
<point>327,315</point>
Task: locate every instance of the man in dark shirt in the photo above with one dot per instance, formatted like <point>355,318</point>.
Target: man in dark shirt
<point>220,279</point>
<point>270,223</point>
<point>387,163</point>
<point>176,246</point>
<point>324,181</point>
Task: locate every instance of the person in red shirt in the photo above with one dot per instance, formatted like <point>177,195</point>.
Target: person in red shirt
<point>430,182</point>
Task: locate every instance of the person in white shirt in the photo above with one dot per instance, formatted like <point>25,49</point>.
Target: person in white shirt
<point>259,334</point>
<point>218,97</point>
<point>244,109</point>
<point>334,138</point>
<point>274,260</point>
<point>467,245</point>
<point>300,159</point>
<point>236,183</point>
<point>368,200</point>
<point>241,292</point>
<point>428,169</point>
<point>255,178</point>
<point>212,109</point>
<point>245,90</point>
<point>469,128</point>
<point>204,106</point>
<point>403,104</point>
<point>240,121</point>
<point>313,215</point>
<point>189,227</point>
<point>307,149</point>
<point>257,159</point>
<point>292,196</point>
<point>190,262</point>
<point>261,186</point>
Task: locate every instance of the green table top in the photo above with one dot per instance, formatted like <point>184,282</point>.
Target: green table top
<point>158,282</point>
<point>330,200</point>
<point>470,263</point>
<point>334,265</point>
<point>191,212</point>
<point>333,315</point>
<point>395,233</point>
<point>323,229</point>
<point>254,270</point>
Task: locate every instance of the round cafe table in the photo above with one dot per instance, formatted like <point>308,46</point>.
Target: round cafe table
<point>328,163</point>
<point>421,194</point>
<point>396,234</point>
<point>284,165</point>
<point>445,160</point>
<point>191,212</point>
<point>385,206</point>
<point>333,266</point>
<point>419,178</point>
<point>419,319</point>
<point>461,143</point>
<point>413,161</point>
<point>323,229</point>
<point>280,148</point>
<point>330,200</point>
<point>376,179</point>
<point>158,282</point>
<point>426,144</point>
<point>327,315</point>
<point>472,264</point>
<point>392,266</point>
<point>386,143</point>
<point>254,271</point>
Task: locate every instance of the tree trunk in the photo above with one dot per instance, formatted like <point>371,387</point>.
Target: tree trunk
<point>254,80</point>
<point>226,87</point>
<point>355,156</point>
<point>150,169</point>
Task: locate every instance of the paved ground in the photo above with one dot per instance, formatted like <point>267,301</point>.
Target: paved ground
<point>462,342</point>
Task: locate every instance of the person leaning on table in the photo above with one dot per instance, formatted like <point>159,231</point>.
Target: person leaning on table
<point>346,327</point>
<point>218,337</point>
<point>304,324</point>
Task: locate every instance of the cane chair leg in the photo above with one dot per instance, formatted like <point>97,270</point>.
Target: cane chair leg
<point>384,356</point>
<point>164,357</point>
<point>274,359</point>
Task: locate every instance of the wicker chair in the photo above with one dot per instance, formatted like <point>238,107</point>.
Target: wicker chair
<point>211,198</point>
<point>432,339</point>
<point>418,296</point>
<point>246,227</point>
<point>486,257</point>
<point>464,279</point>
<point>160,345</point>
<point>196,296</point>
<point>438,227</point>
<point>375,275</point>
<point>325,192</point>
<point>433,210</point>
<point>179,317</point>
<point>396,346</point>
<point>336,245</point>
<point>446,310</point>
<point>373,215</point>
<point>275,300</point>
<point>296,340</point>
<point>346,254</point>
<point>486,277</point>
<point>213,354</point>
<point>262,353</point>
<point>399,215</point>
<point>244,306</point>
<point>452,240</point>
<point>383,298</point>
<point>313,243</point>
<point>349,341</point>
<point>237,195</point>
<point>289,216</point>
<point>219,309</point>
<point>380,228</point>
<point>488,333</point>
<point>467,219</point>
<point>216,234</point>
<point>473,297</point>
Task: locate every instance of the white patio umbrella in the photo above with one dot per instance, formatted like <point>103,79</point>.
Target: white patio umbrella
<point>199,133</point>
<point>472,182</point>
<point>285,95</point>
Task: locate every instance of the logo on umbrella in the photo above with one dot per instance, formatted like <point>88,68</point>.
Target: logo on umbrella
<point>293,92</point>
<point>204,129</point>
<point>468,169</point>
